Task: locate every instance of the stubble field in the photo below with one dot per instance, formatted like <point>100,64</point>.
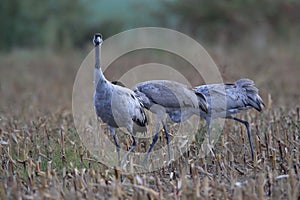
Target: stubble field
<point>43,157</point>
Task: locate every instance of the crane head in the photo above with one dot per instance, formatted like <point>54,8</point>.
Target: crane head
<point>97,39</point>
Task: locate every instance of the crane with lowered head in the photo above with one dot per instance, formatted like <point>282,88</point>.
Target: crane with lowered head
<point>230,99</point>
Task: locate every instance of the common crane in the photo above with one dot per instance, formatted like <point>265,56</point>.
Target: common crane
<point>165,96</point>
<point>240,95</point>
<point>116,106</point>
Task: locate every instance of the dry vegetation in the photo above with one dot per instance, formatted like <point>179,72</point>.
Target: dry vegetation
<point>42,156</point>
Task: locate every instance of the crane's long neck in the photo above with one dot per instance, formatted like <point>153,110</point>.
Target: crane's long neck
<point>98,74</point>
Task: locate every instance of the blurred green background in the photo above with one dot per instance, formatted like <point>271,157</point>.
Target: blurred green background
<point>67,24</point>
<point>42,43</point>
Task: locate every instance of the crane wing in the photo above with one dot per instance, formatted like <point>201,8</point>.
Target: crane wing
<point>165,93</point>
<point>126,106</point>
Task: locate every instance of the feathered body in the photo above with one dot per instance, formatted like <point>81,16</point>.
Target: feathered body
<point>231,98</point>
<point>225,100</point>
<point>175,99</point>
<point>170,95</point>
<point>118,106</point>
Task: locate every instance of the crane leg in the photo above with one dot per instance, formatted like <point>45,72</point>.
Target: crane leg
<point>154,140</point>
<point>168,143</point>
<point>133,146</point>
<point>208,124</point>
<point>248,132</point>
<point>113,133</point>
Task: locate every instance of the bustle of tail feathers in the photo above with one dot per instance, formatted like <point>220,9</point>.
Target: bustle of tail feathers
<point>253,100</point>
<point>203,105</point>
<point>141,121</point>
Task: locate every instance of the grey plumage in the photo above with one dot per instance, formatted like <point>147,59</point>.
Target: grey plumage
<point>164,96</point>
<point>230,99</point>
<point>116,106</point>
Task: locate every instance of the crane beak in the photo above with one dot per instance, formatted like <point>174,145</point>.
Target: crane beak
<point>99,40</point>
